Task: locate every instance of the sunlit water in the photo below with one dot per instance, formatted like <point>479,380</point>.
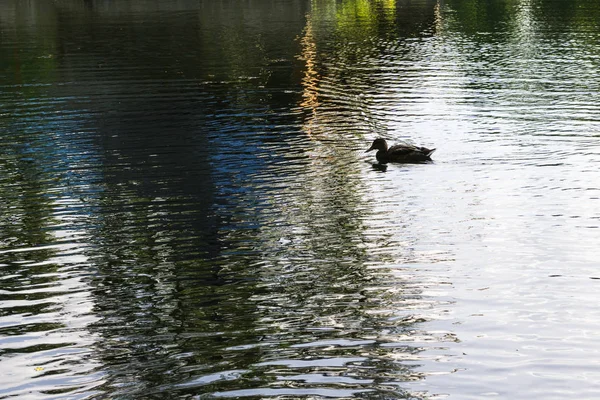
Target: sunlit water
<point>186,209</point>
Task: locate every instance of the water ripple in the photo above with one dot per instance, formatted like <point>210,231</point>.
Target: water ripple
<point>186,208</point>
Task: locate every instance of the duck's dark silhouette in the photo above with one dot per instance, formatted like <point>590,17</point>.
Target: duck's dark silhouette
<point>400,153</point>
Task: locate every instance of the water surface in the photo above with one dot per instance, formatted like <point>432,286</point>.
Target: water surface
<point>186,209</point>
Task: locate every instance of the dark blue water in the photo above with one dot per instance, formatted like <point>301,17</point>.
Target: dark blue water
<point>187,211</point>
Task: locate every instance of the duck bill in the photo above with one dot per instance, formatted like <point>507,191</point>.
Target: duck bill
<point>370,148</point>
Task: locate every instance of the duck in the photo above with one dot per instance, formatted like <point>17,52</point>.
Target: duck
<point>400,153</point>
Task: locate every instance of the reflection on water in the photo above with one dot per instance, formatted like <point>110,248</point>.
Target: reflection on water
<point>186,208</point>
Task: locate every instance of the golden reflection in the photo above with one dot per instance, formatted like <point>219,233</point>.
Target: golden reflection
<point>355,22</point>
<point>438,19</point>
<point>310,80</point>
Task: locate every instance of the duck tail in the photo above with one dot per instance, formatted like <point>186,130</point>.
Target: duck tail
<point>429,152</point>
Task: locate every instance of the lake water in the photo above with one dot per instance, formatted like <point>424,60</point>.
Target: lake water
<point>187,210</point>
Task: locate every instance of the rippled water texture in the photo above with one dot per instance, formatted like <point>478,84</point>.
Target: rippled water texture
<point>187,211</point>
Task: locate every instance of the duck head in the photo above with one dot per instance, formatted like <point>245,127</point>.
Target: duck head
<point>378,144</point>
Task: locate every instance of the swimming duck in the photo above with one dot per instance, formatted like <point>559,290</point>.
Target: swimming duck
<point>400,153</point>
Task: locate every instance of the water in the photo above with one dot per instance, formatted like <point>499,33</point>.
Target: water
<point>186,209</point>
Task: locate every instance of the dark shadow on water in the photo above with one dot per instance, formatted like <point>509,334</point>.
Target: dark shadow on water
<point>384,167</point>
<point>379,167</point>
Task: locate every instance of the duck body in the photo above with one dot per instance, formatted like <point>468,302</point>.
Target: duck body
<point>400,153</point>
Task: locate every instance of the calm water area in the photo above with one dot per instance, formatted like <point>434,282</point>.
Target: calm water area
<point>187,210</point>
